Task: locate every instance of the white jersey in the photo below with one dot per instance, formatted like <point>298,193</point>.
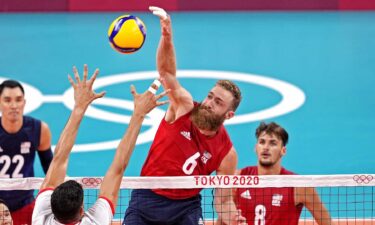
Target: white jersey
<point>99,214</point>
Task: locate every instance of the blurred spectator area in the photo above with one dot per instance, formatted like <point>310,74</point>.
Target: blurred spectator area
<point>181,5</point>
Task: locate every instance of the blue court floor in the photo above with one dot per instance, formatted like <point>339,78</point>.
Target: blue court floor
<point>312,72</point>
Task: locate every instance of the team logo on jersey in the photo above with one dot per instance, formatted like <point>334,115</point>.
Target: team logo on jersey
<point>25,147</point>
<point>205,157</point>
<point>200,221</point>
<point>246,194</point>
<point>276,199</point>
<point>186,134</point>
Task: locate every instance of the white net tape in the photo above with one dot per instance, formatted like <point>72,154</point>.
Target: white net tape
<point>224,181</point>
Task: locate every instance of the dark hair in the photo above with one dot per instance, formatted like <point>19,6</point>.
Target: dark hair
<point>272,128</point>
<point>10,84</point>
<point>2,202</point>
<point>232,88</point>
<point>66,201</point>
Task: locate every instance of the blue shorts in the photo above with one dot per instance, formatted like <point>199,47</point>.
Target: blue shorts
<point>148,208</point>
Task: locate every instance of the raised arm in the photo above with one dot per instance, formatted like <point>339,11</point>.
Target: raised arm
<point>181,100</point>
<point>143,103</point>
<point>310,198</point>
<point>83,96</point>
<point>224,203</point>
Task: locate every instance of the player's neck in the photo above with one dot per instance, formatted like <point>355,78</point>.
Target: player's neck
<point>208,133</point>
<point>11,126</point>
<point>272,170</point>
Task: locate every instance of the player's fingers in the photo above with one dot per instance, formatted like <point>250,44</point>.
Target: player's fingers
<point>157,11</point>
<point>133,91</point>
<point>161,15</point>
<point>155,8</point>
<point>162,103</point>
<point>164,93</point>
<point>76,75</point>
<point>71,81</point>
<point>154,86</point>
<point>85,72</point>
<point>93,77</point>
<point>99,95</point>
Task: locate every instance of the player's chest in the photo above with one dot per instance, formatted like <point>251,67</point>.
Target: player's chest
<point>194,151</point>
<point>17,144</point>
<point>268,197</point>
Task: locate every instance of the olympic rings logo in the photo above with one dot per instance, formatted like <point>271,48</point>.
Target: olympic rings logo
<point>363,179</point>
<point>291,99</point>
<point>91,182</point>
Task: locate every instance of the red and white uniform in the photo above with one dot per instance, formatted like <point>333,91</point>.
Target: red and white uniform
<point>268,206</point>
<point>101,213</point>
<point>179,149</point>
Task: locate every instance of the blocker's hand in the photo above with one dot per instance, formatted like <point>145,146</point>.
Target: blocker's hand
<point>83,89</point>
<point>144,103</point>
<point>161,13</point>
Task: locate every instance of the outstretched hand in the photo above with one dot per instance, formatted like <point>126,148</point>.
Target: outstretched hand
<point>165,20</point>
<point>157,11</point>
<point>83,93</point>
<point>147,101</point>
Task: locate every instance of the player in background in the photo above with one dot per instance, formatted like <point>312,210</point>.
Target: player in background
<point>276,206</point>
<point>20,138</point>
<point>60,202</point>
<point>5,216</point>
<point>191,140</point>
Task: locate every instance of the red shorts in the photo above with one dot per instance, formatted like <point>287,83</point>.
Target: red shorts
<point>23,215</point>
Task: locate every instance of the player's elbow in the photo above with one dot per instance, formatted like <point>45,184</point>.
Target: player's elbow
<point>165,71</point>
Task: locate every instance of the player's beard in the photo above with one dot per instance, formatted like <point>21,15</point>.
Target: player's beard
<point>266,163</point>
<point>205,119</point>
<point>270,163</point>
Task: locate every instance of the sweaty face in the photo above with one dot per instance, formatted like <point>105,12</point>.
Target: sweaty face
<point>269,149</point>
<point>214,109</point>
<point>12,104</point>
<point>5,217</point>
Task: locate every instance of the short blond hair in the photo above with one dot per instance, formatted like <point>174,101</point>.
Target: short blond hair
<point>232,88</point>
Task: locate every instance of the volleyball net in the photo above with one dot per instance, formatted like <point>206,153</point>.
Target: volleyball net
<point>349,199</point>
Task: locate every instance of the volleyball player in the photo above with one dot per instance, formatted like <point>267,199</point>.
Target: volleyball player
<point>20,138</point>
<point>60,202</point>
<point>5,216</point>
<point>276,206</point>
<point>191,140</point>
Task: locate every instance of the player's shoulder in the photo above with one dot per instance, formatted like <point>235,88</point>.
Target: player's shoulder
<point>45,193</point>
<point>249,170</point>
<point>286,172</point>
<point>102,211</point>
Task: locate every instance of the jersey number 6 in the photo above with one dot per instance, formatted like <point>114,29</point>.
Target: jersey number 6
<point>190,164</point>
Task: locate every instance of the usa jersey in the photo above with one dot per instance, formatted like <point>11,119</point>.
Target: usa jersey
<point>17,154</point>
<point>179,149</point>
<point>268,206</point>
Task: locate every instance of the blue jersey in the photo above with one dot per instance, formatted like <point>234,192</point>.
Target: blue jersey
<point>17,154</point>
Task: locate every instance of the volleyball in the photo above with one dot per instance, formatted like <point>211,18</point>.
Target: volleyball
<point>127,34</point>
